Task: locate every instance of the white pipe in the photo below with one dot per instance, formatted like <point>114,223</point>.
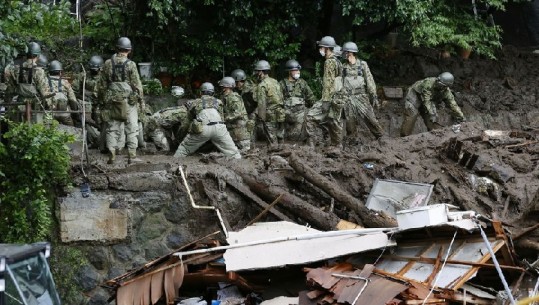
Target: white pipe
<point>496,264</point>
<point>287,238</point>
<point>194,205</point>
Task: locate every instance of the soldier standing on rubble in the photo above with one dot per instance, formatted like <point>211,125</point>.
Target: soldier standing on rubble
<point>270,104</point>
<point>321,110</point>
<point>64,98</point>
<point>246,87</point>
<point>235,114</point>
<point>421,99</point>
<point>357,93</point>
<point>26,81</point>
<point>206,124</point>
<point>96,134</point>
<point>120,89</point>
<point>298,97</point>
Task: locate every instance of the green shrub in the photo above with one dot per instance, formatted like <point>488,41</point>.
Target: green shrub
<point>35,161</point>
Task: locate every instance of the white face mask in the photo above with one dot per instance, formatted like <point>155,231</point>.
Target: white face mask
<point>322,52</point>
<point>295,75</point>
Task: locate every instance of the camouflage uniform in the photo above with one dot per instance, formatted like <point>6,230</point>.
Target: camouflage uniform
<point>358,100</point>
<point>206,124</point>
<point>421,99</point>
<point>71,104</point>
<point>270,108</point>
<point>159,126</point>
<point>96,134</point>
<point>39,79</point>
<point>321,110</point>
<point>114,128</point>
<point>298,97</point>
<point>236,120</point>
<point>248,95</point>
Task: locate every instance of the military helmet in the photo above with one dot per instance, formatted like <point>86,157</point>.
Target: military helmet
<point>42,61</point>
<point>262,65</point>
<point>34,49</point>
<point>207,88</point>
<point>292,64</point>
<point>238,75</point>
<point>350,47</point>
<point>447,79</point>
<point>327,41</point>
<point>337,50</point>
<point>177,91</point>
<point>123,43</point>
<point>227,82</point>
<point>95,62</point>
<point>55,66</point>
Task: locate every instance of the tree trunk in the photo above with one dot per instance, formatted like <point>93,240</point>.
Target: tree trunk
<point>316,217</point>
<point>369,218</point>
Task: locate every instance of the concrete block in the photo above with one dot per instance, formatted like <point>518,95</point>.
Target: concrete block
<point>92,219</point>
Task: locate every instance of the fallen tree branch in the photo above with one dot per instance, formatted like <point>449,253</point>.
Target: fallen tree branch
<point>526,231</point>
<point>265,210</point>
<point>369,218</point>
<point>318,218</point>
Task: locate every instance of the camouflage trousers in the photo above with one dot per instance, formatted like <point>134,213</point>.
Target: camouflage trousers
<point>117,130</point>
<point>360,109</point>
<point>216,134</point>
<point>413,108</point>
<point>294,122</point>
<point>275,132</point>
<point>159,138</point>
<point>318,115</point>
<point>240,135</point>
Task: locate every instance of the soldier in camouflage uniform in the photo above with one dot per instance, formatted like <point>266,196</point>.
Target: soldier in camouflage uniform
<point>27,81</point>
<point>162,126</point>
<point>235,114</point>
<point>421,99</point>
<point>270,101</point>
<point>120,84</point>
<point>246,87</point>
<point>298,97</point>
<point>206,125</point>
<point>358,93</point>
<point>89,81</point>
<point>321,111</point>
<point>64,98</point>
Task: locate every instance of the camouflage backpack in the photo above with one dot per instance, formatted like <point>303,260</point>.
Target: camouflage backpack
<point>26,87</point>
<point>59,99</point>
<point>118,91</point>
<point>350,82</point>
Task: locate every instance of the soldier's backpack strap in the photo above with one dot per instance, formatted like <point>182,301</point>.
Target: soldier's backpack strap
<point>59,84</point>
<point>118,66</point>
<point>359,68</point>
<point>50,84</point>
<point>21,74</point>
<point>216,103</point>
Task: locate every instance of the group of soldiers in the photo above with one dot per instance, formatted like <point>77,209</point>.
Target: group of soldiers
<point>247,110</point>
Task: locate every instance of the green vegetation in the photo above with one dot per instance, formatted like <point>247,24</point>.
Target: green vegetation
<point>35,161</point>
<point>25,21</point>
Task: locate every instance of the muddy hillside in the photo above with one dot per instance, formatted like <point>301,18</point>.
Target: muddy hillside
<point>489,165</point>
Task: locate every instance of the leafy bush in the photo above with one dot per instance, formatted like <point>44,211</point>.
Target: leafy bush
<point>35,161</point>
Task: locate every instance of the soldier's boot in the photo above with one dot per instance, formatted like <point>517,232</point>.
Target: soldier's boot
<point>112,157</point>
<point>132,157</point>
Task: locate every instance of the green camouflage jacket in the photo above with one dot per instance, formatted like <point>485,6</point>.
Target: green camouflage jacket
<point>53,82</point>
<point>39,79</point>
<point>248,95</point>
<point>332,69</point>
<point>92,81</point>
<point>131,76</point>
<point>270,100</point>
<point>354,70</point>
<point>167,118</point>
<point>234,109</point>
<point>429,94</point>
<point>299,89</point>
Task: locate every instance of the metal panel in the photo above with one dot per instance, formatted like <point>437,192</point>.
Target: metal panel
<point>391,196</point>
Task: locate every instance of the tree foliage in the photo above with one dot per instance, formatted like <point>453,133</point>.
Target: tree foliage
<point>432,23</point>
<point>25,21</point>
<point>35,161</point>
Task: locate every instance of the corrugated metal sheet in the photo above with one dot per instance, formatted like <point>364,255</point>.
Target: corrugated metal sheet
<point>472,251</point>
